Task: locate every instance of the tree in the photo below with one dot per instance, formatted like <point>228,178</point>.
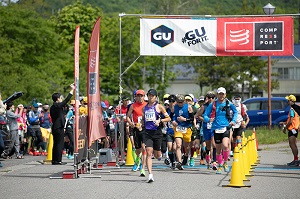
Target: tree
<point>31,56</point>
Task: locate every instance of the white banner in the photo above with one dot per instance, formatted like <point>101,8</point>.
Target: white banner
<point>178,37</point>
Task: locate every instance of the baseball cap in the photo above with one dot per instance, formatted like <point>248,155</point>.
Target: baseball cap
<point>188,97</point>
<point>152,92</point>
<point>201,98</point>
<point>167,102</point>
<point>35,105</point>
<point>291,98</point>
<point>166,96</point>
<point>221,90</point>
<point>140,92</point>
<point>72,102</point>
<point>180,98</point>
<point>125,98</point>
<point>237,96</point>
<point>20,106</point>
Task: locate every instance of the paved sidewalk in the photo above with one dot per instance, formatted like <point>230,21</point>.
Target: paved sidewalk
<point>28,178</point>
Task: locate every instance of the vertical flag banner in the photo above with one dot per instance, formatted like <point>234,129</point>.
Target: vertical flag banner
<point>95,118</point>
<point>190,36</point>
<point>76,80</point>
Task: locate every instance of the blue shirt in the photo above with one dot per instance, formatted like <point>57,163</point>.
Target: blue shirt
<point>220,118</point>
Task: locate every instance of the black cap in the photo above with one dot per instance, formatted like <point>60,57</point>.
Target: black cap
<point>152,92</point>
<point>172,98</point>
<point>124,98</point>
<point>237,96</point>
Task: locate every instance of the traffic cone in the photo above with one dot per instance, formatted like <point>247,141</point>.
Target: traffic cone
<point>256,140</point>
<point>247,167</point>
<point>236,179</point>
<point>48,159</point>
<point>251,152</point>
<point>242,162</point>
<point>255,155</point>
<point>129,158</point>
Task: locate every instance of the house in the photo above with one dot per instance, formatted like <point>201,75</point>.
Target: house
<point>288,68</point>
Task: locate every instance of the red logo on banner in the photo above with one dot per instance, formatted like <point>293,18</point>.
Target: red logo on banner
<point>256,36</point>
<point>239,36</point>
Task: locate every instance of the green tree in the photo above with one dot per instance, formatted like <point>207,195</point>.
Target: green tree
<point>31,56</point>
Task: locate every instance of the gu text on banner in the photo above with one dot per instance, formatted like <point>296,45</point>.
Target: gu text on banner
<point>256,36</point>
<point>95,118</point>
<point>76,80</point>
<point>178,37</point>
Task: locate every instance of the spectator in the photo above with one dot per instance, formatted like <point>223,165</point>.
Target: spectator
<point>13,126</point>
<point>58,119</point>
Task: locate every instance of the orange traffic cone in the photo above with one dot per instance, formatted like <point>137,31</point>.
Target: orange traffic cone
<point>256,139</point>
<point>236,179</point>
<point>48,159</point>
<point>129,158</point>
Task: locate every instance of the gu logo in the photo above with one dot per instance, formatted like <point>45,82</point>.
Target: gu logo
<point>162,36</point>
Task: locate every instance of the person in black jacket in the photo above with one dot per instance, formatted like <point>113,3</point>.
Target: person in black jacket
<point>58,121</point>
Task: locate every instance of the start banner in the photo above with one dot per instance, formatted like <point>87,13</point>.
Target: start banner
<point>255,36</point>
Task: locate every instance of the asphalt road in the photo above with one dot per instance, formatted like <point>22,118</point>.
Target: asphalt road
<point>28,178</point>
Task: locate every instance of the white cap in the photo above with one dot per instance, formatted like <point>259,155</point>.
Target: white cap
<point>39,104</point>
<point>221,90</point>
<point>146,98</point>
<point>193,97</point>
<point>167,102</point>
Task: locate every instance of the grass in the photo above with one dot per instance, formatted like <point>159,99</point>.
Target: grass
<point>266,136</point>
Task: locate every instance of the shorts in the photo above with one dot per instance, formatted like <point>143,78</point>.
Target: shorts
<point>208,134</point>
<point>237,132</point>
<point>153,138</point>
<point>219,136</point>
<point>290,133</point>
<point>170,138</point>
<point>187,137</point>
<point>137,137</point>
<point>195,133</point>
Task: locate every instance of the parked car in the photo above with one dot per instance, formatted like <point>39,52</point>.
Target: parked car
<point>258,110</point>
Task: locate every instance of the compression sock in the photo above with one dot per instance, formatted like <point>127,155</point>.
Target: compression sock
<point>225,155</point>
<point>219,159</point>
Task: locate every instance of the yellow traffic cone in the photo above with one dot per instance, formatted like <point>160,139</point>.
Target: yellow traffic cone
<point>48,159</point>
<point>195,154</point>
<point>242,162</point>
<point>236,179</point>
<point>251,152</point>
<point>255,155</point>
<point>129,158</point>
<point>245,158</point>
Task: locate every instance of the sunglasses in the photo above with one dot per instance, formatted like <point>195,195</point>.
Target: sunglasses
<point>180,102</point>
<point>210,97</point>
<point>172,101</point>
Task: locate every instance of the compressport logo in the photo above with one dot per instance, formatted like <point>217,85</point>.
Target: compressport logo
<point>162,36</point>
<point>195,36</point>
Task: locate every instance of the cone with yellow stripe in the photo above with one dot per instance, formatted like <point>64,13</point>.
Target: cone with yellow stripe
<point>236,179</point>
<point>129,157</point>
<point>48,159</point>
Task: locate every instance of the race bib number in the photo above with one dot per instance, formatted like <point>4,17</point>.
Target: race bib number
<point>164,130</point>
<point>209,124</point>
<point>220,130</point>
<point>150,116</point>
<point>294,131</point>
<point>181,129</point>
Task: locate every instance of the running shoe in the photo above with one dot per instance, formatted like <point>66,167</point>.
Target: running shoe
<point>192,162</point>
<point>167,161</point>
<point>185,160</point>
<point>142,173</point>
<point>173,166</point>
<point>294,163</point>
<point>231,153</point>
<point>219,170</point>
<point>214,166</point>
<point>135,167</point>
<point>141,167</point>
<point>225,167</point>
<point>179,166</point>
<point>150,178</point>
<point>70,157</point>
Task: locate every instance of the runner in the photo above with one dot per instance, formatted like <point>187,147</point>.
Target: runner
<point>153,123</point>
<point>218,113</point>
<point>182,124</point>
<point>136,111</point>
<point>208,134</point>
<point>170,133</point>
<point>241,122</point>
